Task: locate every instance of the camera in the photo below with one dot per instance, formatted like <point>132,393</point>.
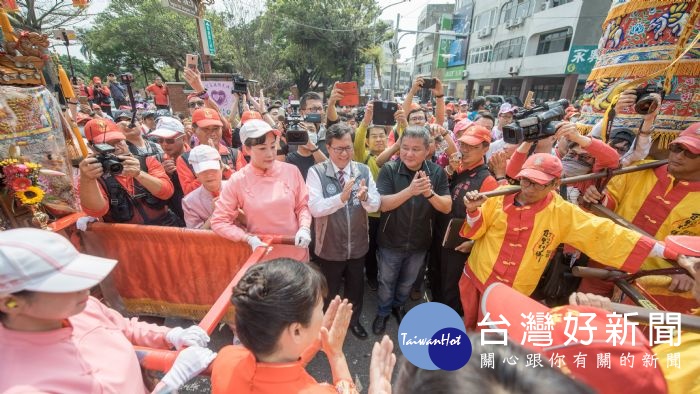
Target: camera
<point>240,84</point>
<point>536,123</point>
<point>428,83</point>
<point>646,104</point>
<point>384,113</point>
<point>296,134</point>
<point>126,78</point>
<point>111,164</point>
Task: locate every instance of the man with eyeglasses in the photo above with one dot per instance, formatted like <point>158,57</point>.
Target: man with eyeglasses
<point>170,135</point>
<point>662,201</point>
<point>341,193</point>
<point>311,105</point>
<point>413,189</point>
<point>200,99</point>
<point>516,235</point>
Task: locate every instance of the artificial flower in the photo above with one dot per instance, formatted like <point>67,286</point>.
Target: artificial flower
<point>32,195</point>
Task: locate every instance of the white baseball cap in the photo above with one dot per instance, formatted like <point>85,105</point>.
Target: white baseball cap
<point>254,128</point>
<point>168,127</point>
<point>204,157</point>
<point>40,260</point>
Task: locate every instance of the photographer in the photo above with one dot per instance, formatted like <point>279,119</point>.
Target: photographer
<point>139,146</point>
<point>137,194</point>
<point>117,90</point>
<point>201,99</point>
<point>100,95</point>
<point>437,92</point>
<point>305,156</point>
<point>311,109</point>
<point>640,147</point>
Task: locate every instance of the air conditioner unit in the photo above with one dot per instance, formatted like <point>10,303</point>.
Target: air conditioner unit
<point>509,24</point>
<point>518,21</point>
<point>514,70</point>
<point>465,73</point>
<point>484,32</point>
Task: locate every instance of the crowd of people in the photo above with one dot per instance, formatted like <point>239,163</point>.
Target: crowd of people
<point>371,202</point>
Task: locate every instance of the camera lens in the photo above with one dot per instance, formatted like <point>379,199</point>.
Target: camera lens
<point>645,105</point>
<point>115,167</point>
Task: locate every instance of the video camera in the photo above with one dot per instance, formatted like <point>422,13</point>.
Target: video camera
<point>111,164</point>
<point>536,123</point>
<point>646,104</point>
<point>240,84</point>
<point>126,78</point>
<point>296,134</point>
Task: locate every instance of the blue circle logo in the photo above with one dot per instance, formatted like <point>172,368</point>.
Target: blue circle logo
<point>432,336</point>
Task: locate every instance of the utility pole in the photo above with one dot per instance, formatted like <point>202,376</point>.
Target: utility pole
<point>206,59</point>
<point>394,58</point>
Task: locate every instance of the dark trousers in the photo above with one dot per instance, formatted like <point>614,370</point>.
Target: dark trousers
<point>349,273</point>
<point>451,266</point>
<point>371,260</point>
<point>159,106</point>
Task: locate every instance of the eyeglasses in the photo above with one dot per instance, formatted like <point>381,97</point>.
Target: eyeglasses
<point>315,109</point>
<point>678,148</point>
<point>346,149</point>
<point>581,156</point>
<point>167,140</point>
<point>524,182</point>
<point>378,136</point>
<point>195,104</point>
<point>416,119</point>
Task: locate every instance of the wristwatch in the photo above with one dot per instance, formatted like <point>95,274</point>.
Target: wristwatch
<point>440,96</point>
<point>432,194</point>
<point>203,95</point>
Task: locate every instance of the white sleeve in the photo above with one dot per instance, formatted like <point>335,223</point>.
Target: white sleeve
<point>318,205</point>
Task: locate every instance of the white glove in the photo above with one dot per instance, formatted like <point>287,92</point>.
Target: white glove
<point>303,237</point>
<point>82,222</point>
<point>255,242</point>
<point>188,364</point>
<point>190,336</point>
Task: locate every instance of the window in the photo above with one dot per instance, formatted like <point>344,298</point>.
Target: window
<point>480,54</point>
<point>547,91</point>
<point>557,3</point>
<point>515,9</point>
<point>508,49</point>
<point>486,19</point>
<point>557,41</point>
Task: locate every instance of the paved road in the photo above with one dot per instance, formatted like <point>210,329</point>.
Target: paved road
<point>357,351</point>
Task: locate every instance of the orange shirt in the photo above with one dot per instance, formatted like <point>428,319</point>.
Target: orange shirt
<point>155,169</point>
<point>159,93</point>
<point>235,370</point>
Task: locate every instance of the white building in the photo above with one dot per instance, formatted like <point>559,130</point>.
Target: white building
<point>522,45</point>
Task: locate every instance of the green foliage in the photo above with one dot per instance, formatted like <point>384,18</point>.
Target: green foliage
<point>45,15</point>
<point>309,43</point>
<point>324,40</point>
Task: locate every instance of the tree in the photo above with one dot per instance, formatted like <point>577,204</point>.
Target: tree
<point>141,36</point>
<point>81,68</point>
<point>325,40</point>
<point>45,15</point>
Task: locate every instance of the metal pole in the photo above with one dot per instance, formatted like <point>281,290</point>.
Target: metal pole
<point>394,56</point>
<point>206,61</point>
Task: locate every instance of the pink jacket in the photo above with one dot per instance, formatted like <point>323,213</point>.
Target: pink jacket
<point>274,202</point>
<point>93,354</point>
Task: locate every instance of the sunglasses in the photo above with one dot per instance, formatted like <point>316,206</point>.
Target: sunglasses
<point>678,148</point>
<point>195,104</point>
<point>167,140</point>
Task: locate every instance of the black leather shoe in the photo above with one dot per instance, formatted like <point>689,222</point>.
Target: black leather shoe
<point>379,325</point>
<point>358,331</point>
<point>399,313</point>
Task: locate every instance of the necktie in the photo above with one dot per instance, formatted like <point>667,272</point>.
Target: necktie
<point>341,179</point>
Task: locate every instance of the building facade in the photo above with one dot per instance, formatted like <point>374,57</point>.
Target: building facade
<point>426,61</point>
<point>544,46</point>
